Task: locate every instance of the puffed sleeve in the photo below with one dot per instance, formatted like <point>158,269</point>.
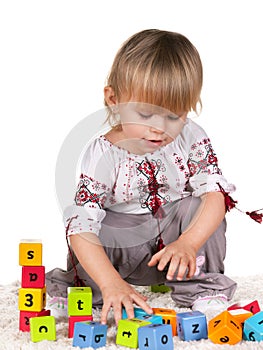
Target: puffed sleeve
<point>204,172</point>
<point>93,189</point>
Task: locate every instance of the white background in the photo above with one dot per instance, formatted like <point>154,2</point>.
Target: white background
<point>55,56</point>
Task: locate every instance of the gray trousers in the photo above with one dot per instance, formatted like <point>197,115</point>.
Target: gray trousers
<point>130,241</point>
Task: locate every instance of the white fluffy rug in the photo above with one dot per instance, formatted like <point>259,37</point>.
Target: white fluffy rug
<point>12,339</point>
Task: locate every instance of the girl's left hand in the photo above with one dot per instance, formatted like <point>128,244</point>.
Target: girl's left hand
<point>180,256</point>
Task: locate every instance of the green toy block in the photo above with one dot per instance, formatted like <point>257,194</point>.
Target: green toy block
<point>42,328</point>
<point>127,334</point>
<point>160,288</point>
<point>79,301</point>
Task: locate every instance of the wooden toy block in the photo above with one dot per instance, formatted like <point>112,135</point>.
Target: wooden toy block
<point>154,319</point>
<point>42,328</point>
<point>79,301</point>
<point>137,312</point>
<point>155,337</point>
<point>73,319</point>
<point>191,325</point>
<point>89,334</point>
<point>127,334</point>
<point>169,317</point>
<point>33,277</point>
<point>24,317</point>
<point>240,315</point>
<point>160,288</point>
<point>224,329</point>
<point>30,253</point>
<point>253,327</point>
<point>251,306</point>
<point>32,299</point>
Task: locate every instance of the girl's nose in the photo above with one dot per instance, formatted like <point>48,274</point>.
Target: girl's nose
<point>157,124</point>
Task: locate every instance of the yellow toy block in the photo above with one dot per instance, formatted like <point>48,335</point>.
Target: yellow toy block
<point>79,301</point>
<point>169,317</point>
<point>224,329</point>
<point>127,334</point>
<point>30,253</point>
<point>32,299</point>
<point>42,328</point>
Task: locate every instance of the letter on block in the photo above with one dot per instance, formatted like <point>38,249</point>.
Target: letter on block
<point>30,253</point>
<point>224,329</point>
<point>32,299</point>
<point>127,334</point>
<point>240,315</point>
<point>42,328</point>
<point>33,277</point>
<point>73,319</point>
<point>90,334</point>
<point>156,337</point>
<point>154,319</point>
<point>79,301</point>
<point>253,327</point>
<point>26,315</point>
<point>191,325</point>
<point>169,317</point>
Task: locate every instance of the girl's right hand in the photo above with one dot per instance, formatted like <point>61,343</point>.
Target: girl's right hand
<point>118,295</point>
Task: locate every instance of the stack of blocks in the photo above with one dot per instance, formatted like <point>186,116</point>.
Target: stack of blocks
<point>84,331</point>
<point>32,294</point>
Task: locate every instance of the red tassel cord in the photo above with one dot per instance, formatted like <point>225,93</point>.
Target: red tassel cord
<point>230,203</point>
<point>157,210</point>
<point>78,282</point>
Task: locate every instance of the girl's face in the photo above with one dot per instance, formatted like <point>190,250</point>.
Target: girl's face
<point>146,128</point>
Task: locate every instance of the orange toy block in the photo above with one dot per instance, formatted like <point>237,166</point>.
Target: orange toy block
<point>241,315</point>
<point>224,329</point>
<point>30,253</point>
<point>24,324</point>
<point>33,277</point>
<point>169,317</point>
<point>32,299</point>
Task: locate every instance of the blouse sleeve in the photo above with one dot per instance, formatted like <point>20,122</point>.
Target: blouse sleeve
<point>93,189</point>
<point>204,172</point>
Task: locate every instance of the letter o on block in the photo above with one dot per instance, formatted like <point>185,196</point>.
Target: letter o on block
<point>156,337</point>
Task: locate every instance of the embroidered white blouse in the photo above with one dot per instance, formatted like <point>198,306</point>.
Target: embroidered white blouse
<point>112,177</point>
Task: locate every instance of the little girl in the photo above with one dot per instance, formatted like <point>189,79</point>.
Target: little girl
<point>149,207</point>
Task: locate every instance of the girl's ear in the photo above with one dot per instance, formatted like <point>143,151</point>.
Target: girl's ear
<point>109,96</point>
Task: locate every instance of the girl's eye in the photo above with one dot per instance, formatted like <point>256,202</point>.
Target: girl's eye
<point>145,116</point>
<point>173,117</point>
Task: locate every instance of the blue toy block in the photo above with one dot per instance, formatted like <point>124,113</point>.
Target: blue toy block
<point>89,334</point>
<point>154,319</point>
<point>253,327</point>
<point>191,325</point>
<point>137,312</point>
<point>155,337</point>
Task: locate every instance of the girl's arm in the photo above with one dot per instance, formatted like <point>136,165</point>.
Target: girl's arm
<point>181,254</point>
<point>116,293</point>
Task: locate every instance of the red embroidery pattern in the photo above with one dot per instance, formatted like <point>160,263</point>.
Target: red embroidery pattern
<point>203,159</point>
<point>90,191</point>
<point>148,185</point>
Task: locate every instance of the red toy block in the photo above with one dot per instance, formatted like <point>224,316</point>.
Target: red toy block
<point>33,277</point>
<point>73,319</point>
<point>252,306</point>
<point>24,325</point>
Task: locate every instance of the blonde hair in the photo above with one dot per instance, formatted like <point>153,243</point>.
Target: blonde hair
<point>157,67</point>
